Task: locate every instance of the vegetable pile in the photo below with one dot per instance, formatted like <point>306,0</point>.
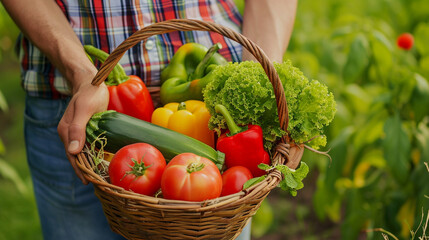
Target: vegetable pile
<point>177,156</point>
<point>245,90</point>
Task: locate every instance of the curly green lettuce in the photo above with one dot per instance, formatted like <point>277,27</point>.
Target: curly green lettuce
<point>245,90</point>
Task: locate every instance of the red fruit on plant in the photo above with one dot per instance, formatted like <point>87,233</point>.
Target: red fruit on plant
<point>233,180</point>
<point>191,177</point>
<point>137,167</point>
<point>405,41</point>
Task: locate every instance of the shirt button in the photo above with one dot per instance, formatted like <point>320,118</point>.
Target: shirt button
<point>150,44</point>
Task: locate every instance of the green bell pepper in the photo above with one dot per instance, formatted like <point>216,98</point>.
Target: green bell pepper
<point>189,72</point>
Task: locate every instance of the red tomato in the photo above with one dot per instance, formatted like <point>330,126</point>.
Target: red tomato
<point>233,179</point>
<point>405,41</point>
<point>191,177</point>
<point>137,167</point>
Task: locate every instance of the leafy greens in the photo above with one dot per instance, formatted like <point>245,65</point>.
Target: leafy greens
<point>245,90</point>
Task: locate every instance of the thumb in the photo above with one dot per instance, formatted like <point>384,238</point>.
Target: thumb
<point>76,138</point>
<point>76,132</point>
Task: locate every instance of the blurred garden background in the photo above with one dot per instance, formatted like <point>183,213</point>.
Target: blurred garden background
<point>377,184</point>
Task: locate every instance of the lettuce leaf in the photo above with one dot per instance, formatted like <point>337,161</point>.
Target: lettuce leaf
<point>245,90</point>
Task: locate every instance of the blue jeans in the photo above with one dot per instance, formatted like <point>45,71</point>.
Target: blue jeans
<point>68,210</point>
<point>245,234</point>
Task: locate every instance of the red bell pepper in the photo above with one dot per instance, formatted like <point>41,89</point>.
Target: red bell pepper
<point>128,94</point>
<point>243,146</point>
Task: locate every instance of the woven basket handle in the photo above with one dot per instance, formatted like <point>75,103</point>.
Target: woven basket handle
<point>197,25</point>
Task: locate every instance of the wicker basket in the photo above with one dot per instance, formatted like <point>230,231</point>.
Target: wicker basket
<point>136,216</point>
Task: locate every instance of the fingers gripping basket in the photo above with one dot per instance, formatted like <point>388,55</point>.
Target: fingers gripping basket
<point>137,216</point>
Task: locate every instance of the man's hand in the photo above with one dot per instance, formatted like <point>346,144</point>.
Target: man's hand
<point>86,100</point>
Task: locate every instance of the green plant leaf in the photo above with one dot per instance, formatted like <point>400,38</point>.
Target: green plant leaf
<point>289,181</point>
<point>420,98</point>
<point>327,202</point>
<point>371,130</point>
<point>263,220</point>
<point>422,137</point>
<point>339,155</point>
<point>424,66</point>
<point>380,37</point>
<point>382,52</point>
<point>292,180</point>
<point>395,199</point>
<point>396,146</point>
<point>401,86</point>
<point>356,215</point>
<point>301,172</point>
<point>253,181</point>
<point>8,172</point>
<point>343,31</point>
<point>357,59</point>
<point>420,179</point>
<point>2,148</point>
<point>3,103</point>
<point>421,36</point>
<point>357,98</point>
<point>264,166</point>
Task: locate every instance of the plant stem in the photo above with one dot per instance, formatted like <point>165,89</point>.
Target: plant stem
<point>117,76</point>
<point>182,106</point>
<point>383,231</point>
<point>195,167</point>
<point>201,67</point>
<point>232,127</point>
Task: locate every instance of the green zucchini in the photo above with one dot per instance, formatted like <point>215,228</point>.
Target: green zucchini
<point>121,130</point>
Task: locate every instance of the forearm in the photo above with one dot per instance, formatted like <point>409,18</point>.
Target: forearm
<point>269,24</point>
<point>45,25</point>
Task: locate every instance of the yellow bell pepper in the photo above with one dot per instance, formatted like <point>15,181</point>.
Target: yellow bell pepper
<point>190,118</point>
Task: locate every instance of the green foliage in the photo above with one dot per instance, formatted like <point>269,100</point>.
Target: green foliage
<point>421,34</point>
<point>263,220</point>
<point>420,98</point>
<point>379,139</point>
<point>253,181</point>
<point>292,178</point>
<point>396,148</point>
<point>245,90</point>
<point>8,35</point>
<point>3,103</point>
<point>18,213</point>
<point>357,59</point>
<point>8,172</point>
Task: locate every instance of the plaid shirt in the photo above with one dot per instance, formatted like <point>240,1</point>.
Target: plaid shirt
<point>106,24</point>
